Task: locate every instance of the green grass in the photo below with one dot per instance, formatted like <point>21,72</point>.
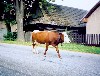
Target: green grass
<point>16,42</point>
<point>80,48</point>
<point>69,47</point>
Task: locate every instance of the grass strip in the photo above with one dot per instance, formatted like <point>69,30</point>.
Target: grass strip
<point>69,47</point>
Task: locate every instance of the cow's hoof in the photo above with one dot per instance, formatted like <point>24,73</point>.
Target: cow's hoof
<point>44,53</point>
<point>34,53</point>
<point>59,56</point>
<point>37,52</point>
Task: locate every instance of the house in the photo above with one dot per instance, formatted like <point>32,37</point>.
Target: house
<point>92,20</point>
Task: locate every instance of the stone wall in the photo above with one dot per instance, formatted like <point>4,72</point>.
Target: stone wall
<point>3,30</point>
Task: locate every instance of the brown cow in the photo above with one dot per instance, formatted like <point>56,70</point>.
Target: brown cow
<point>48,38</point>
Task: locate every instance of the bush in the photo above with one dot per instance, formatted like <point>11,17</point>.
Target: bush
<point>11,36</point>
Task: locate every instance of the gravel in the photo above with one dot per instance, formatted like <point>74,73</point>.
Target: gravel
<point>19,60</point>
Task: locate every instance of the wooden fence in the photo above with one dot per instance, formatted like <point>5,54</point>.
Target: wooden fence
<point>87,39</point>
<point>93,39</point>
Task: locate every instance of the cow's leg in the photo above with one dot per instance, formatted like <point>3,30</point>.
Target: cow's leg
<point>57,51</point>
<point>47,44</point>
<point>34,48</point>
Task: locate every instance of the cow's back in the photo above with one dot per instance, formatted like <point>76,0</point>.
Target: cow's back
<point>47,37</point>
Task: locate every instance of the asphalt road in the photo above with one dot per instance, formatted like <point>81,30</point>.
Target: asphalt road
<point>18,60</point>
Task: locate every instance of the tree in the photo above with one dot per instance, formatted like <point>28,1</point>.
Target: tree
<point>23,11</point>
<point>7,10</point>
<point>21,15</point>
<point>19,19</point>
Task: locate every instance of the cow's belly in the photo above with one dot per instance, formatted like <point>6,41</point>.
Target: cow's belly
<point>41,42</point>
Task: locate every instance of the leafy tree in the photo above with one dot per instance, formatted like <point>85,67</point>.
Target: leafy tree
<point>7,10</point>
<point>23,10</point>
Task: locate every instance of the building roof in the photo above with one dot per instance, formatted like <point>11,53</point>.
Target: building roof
<point>65,16</point>
<point>84,19</point>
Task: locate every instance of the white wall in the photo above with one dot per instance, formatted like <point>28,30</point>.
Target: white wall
<point>66,38</point>
<point>93,24</point>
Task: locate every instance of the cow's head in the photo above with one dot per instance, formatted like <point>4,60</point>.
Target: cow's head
<point>66,39</point>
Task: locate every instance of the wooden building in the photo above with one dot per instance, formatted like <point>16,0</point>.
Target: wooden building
<point>92,18</point>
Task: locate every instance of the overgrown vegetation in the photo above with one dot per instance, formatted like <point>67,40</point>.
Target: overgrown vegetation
<point>21,12</point>
<point>67,47</point>
<point>11,36</point>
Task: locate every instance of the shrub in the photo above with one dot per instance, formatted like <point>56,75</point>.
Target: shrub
<point>11,36</point>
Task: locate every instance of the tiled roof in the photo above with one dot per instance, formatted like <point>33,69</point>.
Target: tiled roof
<point>66,16</point>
